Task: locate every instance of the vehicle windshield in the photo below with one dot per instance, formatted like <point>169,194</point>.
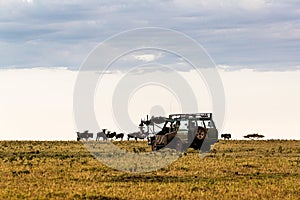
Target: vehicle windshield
<point>205,123</point>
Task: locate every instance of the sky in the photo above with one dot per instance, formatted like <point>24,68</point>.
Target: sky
<point>38,103</point>
<point>254,44</point>
<point>256,34</point>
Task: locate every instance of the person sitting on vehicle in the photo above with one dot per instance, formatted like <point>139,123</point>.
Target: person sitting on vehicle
<point>164,131</point>
<point>172,127</point>
<point>176,126</point>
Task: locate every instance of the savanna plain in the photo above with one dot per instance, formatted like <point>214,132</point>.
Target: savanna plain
<point>254,169</point>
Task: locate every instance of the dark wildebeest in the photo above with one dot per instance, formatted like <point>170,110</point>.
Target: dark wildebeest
<point>85,135</point>
<point>120,135</point>
<point>140,134</point>
<point>111,135</point>
<point>226,136</point>
<point>136,135</point>
<point>101,135</point>
<point>132,135</point>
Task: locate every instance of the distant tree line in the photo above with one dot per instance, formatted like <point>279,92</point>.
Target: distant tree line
<point>253,136</point>
<point>227,136</point>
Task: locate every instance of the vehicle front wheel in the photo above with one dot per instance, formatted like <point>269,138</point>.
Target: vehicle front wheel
<point>153,146</point>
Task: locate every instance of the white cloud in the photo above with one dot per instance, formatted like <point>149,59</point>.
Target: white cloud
<point>28,1</point>
<point>145,57</point>
<point>250,5</point>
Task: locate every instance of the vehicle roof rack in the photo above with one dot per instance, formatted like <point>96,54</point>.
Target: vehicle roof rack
<point>191,116</point>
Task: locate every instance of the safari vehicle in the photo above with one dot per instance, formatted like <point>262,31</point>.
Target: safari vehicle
<point>181,131</point>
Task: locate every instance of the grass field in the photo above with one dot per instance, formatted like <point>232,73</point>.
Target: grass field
<point>233,170</point>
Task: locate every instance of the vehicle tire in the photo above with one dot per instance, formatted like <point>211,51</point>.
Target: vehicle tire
<point>153,147</point>
<point>156,148</point>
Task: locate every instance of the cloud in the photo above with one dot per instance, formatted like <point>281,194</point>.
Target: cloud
<point>234,32</point>
<point>145,57</point>
<point>222,4</point>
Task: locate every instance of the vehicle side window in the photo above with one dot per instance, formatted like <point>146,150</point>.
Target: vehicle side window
<point>208,124</point>
<point>200,123</point>
<point>183,125</point>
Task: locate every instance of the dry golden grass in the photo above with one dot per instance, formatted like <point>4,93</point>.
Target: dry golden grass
<point>233,170</point>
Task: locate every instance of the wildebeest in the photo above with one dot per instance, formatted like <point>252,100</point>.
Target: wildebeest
<point>136,135</point>
<point>120,135</point>
<point>111,135</point>
<point>226,136</point>
<point>101,135</point>
<point>85,135</point>
<point>131,135</point>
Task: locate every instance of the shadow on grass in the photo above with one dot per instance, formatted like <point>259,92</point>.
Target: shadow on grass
<point>186,179</point>
<point>94,197</point>
<point>155,178</point>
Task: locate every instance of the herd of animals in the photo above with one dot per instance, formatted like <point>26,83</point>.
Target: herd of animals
<point>105,135</point>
